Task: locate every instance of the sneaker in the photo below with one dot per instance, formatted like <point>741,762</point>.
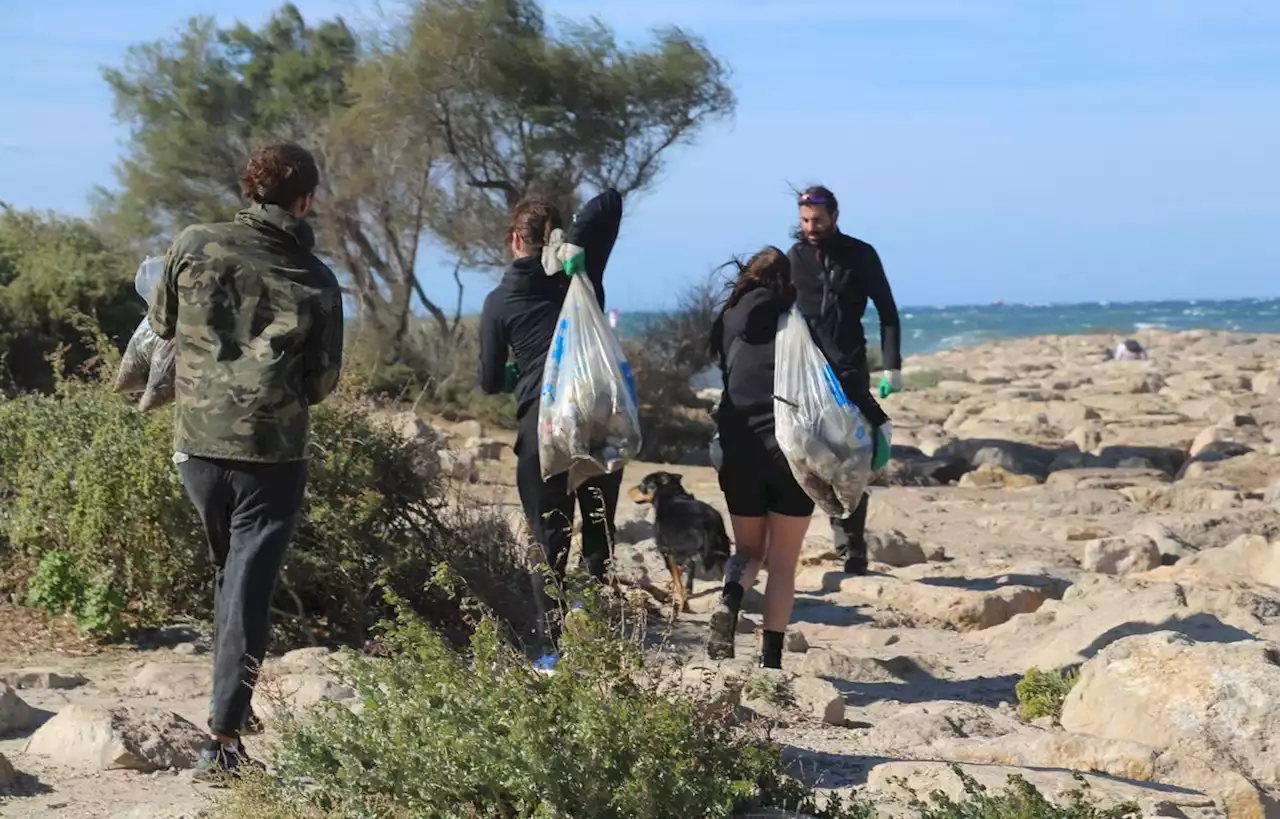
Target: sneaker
<point>547,663</point>
<point>219,762</point>
<point>724,625</point>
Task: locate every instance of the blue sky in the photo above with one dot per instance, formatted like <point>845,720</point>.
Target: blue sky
<point>1031,151</point>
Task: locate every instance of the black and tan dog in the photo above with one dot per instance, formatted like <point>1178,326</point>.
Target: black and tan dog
<point>685,530</point>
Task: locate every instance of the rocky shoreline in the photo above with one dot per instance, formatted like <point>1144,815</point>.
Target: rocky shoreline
<point>1046,508</point>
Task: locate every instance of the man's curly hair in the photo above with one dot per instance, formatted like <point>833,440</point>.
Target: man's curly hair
<point>280,174</point>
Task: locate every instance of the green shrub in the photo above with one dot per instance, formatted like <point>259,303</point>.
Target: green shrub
<point>1041,693</point>
<point>55,271</point>
<point>94,503</point>
<point>1019,800</point>
<point>442,734</point>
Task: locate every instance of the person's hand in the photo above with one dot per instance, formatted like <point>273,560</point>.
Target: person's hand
<point>510,377</point>
<point>574,259</point>
<point>890,382</point>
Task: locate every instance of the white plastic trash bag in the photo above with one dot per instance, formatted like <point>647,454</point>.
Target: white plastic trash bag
<point>824,437</point>
<point>588,419</point>
<point>147,366</point>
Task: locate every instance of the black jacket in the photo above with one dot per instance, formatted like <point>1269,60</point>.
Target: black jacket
<point>743,339</point>
<point>520,314</point>
<point>833,283</point>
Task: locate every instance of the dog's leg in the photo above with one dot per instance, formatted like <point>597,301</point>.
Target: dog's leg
<point>690,570</point>
<point>682,603</point>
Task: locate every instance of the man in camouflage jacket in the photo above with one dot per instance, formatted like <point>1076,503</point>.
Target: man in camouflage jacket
<point>258,323</point>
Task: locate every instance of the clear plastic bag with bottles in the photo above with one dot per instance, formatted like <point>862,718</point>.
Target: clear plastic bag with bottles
<point>825,438</point>
<point>147,366</point>
<point>588,417</point>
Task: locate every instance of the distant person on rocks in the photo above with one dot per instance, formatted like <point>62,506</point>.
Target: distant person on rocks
<point>768,509</point>
<point>518,322</point>
<point>258,322</point>
<point>835,275</point>
<point>1129,350</point>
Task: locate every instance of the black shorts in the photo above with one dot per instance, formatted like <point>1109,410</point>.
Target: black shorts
<point>755,477</point>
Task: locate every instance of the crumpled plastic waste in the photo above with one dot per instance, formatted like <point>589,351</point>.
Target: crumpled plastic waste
<point>826,440</point>
<point>588,418</point>
<point>148,363</point>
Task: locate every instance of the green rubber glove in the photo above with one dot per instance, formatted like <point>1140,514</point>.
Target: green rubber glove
<point>882,451</point>
<point>890,382</point>
<point>510,377</point>
<point>577,263</point>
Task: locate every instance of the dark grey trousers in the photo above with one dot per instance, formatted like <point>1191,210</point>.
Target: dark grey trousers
<point>250,512</point>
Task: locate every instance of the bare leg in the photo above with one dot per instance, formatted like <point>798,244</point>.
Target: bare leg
<point>786,536</point>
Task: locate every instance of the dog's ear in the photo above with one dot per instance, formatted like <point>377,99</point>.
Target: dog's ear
<point>673,479</point>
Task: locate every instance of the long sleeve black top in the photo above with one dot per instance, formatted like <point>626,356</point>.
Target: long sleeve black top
<point>833,282</point>
<point>520,314</point>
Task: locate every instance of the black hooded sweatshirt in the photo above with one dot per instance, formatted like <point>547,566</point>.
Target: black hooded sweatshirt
<point>833,282</point>
<point>743,339</point>
<point>520,314</point>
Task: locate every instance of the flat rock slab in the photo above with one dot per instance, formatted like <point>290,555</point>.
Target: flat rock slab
<point>101,739</point>
<point>45,678</point>
<point>926,777</point>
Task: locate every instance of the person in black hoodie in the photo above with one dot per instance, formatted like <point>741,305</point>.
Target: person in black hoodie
<point>518,322</point>
<point>835,275</point>
<point>768,509</point>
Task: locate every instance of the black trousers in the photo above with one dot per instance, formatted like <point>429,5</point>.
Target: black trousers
<point>250,512</point>
<point>850,534</point>
<point>549,507</point>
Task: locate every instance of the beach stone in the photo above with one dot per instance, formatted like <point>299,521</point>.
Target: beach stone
<point>43,678</point>
<point>100,739</point>
<point>1120,555</point>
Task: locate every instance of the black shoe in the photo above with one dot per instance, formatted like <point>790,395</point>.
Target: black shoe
<point>219,762</point>
<point>857,564</point>
<point>724,623</point>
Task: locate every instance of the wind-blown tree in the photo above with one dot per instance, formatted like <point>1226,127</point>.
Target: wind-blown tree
<point>431,130</point>
<point>520,106</point>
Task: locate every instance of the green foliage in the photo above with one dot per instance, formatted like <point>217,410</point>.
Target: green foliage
<point>1019,800</point>
<point>56,272</point>
<point>1042,693</point>
<point>665,356</point>
<point>94,499</point>
<point>436,371</point>
<point>443,734</point>
<point>58,587</point>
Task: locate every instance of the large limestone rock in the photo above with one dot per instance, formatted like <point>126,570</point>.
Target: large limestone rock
<point>174,681</point>
<point>1246,562</point>
<point>1120,555</point>
<point>100,739</point>
<point>297,693</point>
<point>1213,701</point>
<point>7,773</point>
<point>934,598</point>
<point>927,777</point>
<point>15,715</point>
<point>1190,784</point>
<point>893,548</point>
<point>1099,610</point>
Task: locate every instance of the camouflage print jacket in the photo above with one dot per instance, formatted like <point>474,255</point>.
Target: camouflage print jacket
<point>258,320</point>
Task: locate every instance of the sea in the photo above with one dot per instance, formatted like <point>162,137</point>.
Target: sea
<point>930,329</point>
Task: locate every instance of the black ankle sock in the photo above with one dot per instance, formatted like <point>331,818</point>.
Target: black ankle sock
<point>771,651</point>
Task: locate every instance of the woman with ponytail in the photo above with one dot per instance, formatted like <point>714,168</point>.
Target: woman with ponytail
<point>768,509</point>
